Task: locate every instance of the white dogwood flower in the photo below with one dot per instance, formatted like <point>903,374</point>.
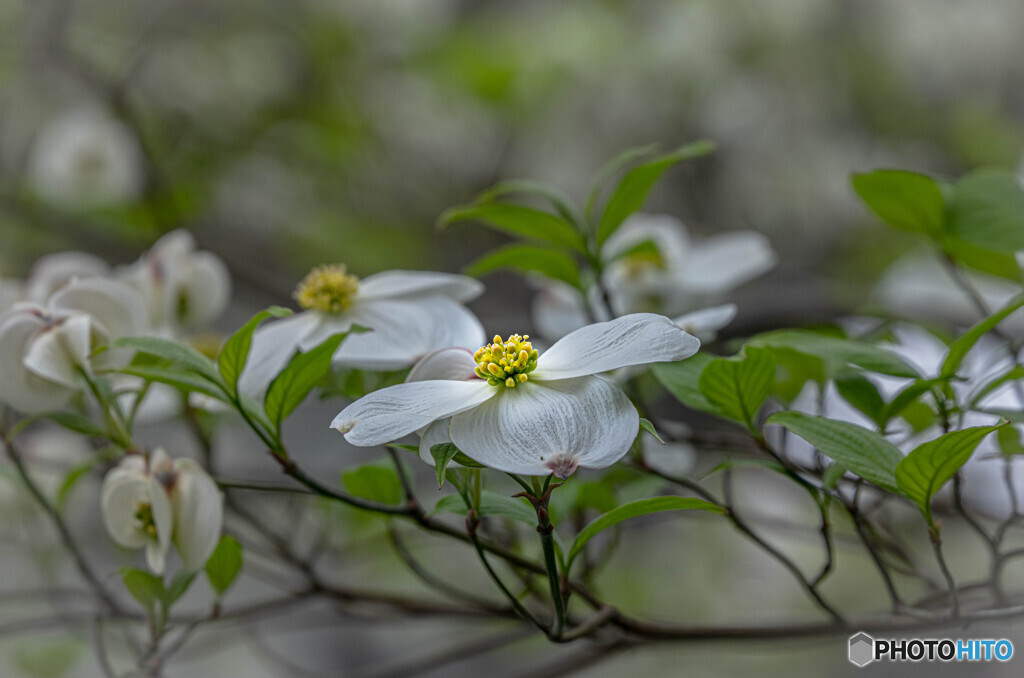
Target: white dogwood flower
<point>652,265</point>
<point>159,502</point>
<point>409,314</point>
<point>184,288</point>
<point>44,349</point>
<point>526,412</point>
<point>86,158</point>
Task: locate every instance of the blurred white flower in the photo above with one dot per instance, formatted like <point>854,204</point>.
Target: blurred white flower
<point>528,413</point>
<point>12,291</point>
<point>184,288</point>
<point>52,271</point>
<point>43,349</point>
<point>409,313</point>
<point>86,158</point>
<point>918,287</point>
<point>651,265</point>
<point>705,323</point>
<point>160,502</point>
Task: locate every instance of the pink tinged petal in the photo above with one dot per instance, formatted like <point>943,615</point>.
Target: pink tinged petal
<point>726,261</point>
<point>405,284</point>
<point>60,351</point>
<point>160,464</point>
<point>551,427</point>
<point>21,388</point>
<point>405,331</point>
<point>636,339</point>
<point>273,345</point>
<point>390,413</point>
<point>198,514</point>
<point>435,434</point>
<point>52,271</point>
<point>705,323</point>
<point>453,364</point>
<point>118,310</point>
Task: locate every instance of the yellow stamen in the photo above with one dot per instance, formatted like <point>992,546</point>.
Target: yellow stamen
<point>506,363</point>
<point>327,288</point>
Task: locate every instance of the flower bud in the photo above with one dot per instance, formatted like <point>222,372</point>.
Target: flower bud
<point>159,503</point>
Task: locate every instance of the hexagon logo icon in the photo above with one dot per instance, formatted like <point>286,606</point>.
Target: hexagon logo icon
<point>862,649</point>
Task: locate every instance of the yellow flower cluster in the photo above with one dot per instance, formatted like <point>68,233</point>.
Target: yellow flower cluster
<point>327,288</point>
<point>506,362</point>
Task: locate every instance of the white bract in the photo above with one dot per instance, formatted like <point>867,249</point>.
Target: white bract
<point>86,158</point>
<point>651,264</point>
<point>526,412</point>
<point>157,502</point>
<point>409,314</point>
<point>51,272</point>
<point>45,349</point>
<point>184,288</point>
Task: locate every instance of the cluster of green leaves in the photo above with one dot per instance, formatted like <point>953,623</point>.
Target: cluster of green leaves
<point>737,388</point>
<point>186,369</point>
<point>977,221</point>
<point>560,241</point>
<point>157,597</point>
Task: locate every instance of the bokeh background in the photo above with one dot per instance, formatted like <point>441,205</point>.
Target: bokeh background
<point>287,134</point>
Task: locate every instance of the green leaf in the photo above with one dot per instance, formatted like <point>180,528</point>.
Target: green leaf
<point>632,190</point>
<point>78,424</point>
<point>904,200</point>
<point>175,353</point>
<point>837,351</point>
<point>1009,441</point>
<point>737,387</point>
<point>526,259</point>
<point>987,210</point>
<point>864,452</point>
<point>184,381</point>
<point>793,370</point>
<point>907,397</point>
<point>925,470</point>
<point>1015,373</point>
<point>233,355</point>
<point>832,475</point>
<point>297,379</point>
<point>518,220</point>
<point>491,504</point>
<point>374,482</point>
<point>610,168</point>
<point>443,454</point>
<point>682,380</point>
<point>862,394</point>
<point>179,585</point>
<point>965,342</point>
<point>144,587</point>
<point>224,564</point>
<point>646,425</point>
<point>559,200</point>
<point>634,509</point>
<point>1002,263</point>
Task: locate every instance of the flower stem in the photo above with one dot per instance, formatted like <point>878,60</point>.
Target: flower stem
<point>545,528</point>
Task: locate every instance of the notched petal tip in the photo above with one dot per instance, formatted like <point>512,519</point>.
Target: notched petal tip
<point>562,466</point>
